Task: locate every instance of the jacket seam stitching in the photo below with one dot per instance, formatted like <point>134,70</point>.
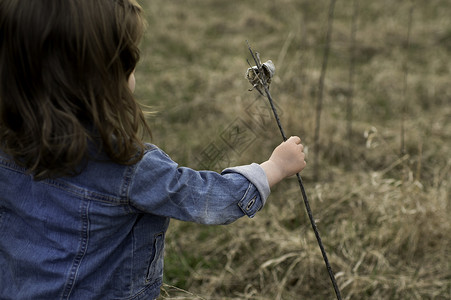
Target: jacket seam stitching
<point>83,193</point>
<point>83,246</point>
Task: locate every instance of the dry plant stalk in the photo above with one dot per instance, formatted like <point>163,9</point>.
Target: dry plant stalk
<point>350,94</point>
<point>319,102</point>
<point>260,76</point>
<point>404,88</point>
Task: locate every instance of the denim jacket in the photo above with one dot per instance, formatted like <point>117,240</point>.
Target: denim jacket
<point>100,234</point>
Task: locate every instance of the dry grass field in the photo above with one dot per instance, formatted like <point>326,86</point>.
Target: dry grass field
<point>381,197</point>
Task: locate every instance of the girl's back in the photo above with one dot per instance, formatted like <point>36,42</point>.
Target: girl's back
<point>77,237</point>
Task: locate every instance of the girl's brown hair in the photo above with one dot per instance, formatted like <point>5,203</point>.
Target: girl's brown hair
<point>64,69</point>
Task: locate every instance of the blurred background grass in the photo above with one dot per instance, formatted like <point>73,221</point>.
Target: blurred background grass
<point>384,214</point>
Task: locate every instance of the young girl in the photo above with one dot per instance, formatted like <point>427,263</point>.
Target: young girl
<point>84,203</point>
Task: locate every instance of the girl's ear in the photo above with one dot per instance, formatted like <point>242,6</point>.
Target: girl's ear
<point>132,81</point>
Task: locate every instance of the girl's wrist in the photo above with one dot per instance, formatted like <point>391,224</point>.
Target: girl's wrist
<point>272,171</point>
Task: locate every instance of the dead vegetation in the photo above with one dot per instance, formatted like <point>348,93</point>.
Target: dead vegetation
<point>384,216</point>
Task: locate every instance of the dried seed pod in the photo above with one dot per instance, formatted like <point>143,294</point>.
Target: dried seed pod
<point>258,80</point>
<point>269,69</point>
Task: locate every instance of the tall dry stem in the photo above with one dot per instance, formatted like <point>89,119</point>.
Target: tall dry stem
<point>319,102</point>
<point>350,94</point>
<point>405,75</point>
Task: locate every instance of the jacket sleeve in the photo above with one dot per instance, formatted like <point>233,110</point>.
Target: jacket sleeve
<point>159,186</point>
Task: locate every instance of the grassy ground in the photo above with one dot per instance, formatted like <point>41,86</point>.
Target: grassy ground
<point>382,198</point>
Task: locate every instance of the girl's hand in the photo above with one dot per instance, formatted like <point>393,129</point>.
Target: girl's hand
<point>286,160</point>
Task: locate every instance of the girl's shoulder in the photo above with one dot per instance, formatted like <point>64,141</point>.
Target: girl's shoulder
<point>154,158</point>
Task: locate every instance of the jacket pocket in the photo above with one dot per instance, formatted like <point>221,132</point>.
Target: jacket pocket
<point>155,268</point>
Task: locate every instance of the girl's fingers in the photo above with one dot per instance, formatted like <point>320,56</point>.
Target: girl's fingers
<point>295,139</point>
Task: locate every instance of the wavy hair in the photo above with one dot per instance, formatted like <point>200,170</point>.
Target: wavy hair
<point>64,69</point>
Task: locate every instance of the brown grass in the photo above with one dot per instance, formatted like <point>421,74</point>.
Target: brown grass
<point>385,220</point>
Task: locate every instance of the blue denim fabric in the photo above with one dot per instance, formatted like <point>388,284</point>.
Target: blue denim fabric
<point>100,235</point>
